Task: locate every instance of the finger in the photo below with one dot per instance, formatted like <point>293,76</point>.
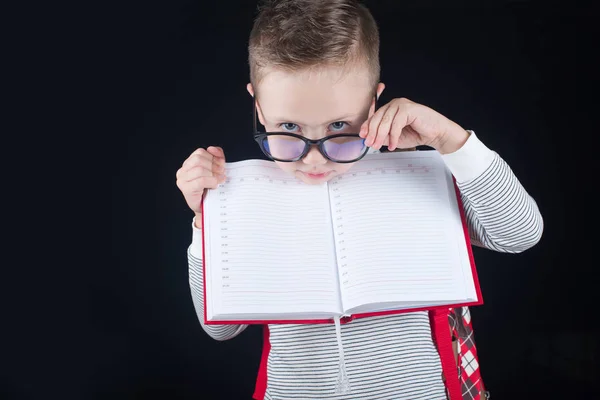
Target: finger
<point>364,128</point>
<point>218,162</point>
<point>218,159</point>
<point>202,153</point>
<point>374,124</point>
<point>394,138</point>
<point>196,173</point>
<point>199,160</point>
<point>195,158</point>
<point>216,152</point>
<point>384,126</point>
<point>400,122</point>
<point>198,185</point>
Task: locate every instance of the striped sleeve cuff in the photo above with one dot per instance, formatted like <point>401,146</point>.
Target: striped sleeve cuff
<point>196,247</point>
<point>470,161</point>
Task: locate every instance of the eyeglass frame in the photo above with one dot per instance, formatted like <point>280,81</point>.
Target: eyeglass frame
<point>260,136</point>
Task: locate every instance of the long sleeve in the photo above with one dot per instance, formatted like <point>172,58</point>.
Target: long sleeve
<point>500,214</point>
<point>217,332</point>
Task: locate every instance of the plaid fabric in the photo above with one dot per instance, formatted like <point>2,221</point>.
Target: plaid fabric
<point>468,365</point>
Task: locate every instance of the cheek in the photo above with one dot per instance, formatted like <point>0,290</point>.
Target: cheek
<point>342,168</point>
<point>339,169</point>
<point>287,166</point>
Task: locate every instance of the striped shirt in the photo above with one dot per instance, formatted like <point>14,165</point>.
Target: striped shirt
<point>387,357</point>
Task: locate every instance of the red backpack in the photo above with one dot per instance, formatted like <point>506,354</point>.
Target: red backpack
<point>453,335</point>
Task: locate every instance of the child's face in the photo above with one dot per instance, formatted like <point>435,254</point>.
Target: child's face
<point>315,104</point>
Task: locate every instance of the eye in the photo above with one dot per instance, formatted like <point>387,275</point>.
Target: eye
<point>338,126</point>
<point>289,127</point>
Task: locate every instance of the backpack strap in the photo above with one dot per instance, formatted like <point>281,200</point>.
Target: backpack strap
<point>442,339</point>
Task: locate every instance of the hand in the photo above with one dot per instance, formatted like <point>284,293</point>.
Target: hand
<point>203,169</point>
<point>404,124</point>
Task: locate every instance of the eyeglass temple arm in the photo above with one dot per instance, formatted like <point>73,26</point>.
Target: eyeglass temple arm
<point>254,115</point>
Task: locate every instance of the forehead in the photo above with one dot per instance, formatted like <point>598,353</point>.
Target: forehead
<point>314,95</point>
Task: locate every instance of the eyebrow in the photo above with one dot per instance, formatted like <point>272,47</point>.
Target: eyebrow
<point>346,117</point>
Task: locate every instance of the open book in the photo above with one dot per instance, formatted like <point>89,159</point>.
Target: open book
<point>388,236</point>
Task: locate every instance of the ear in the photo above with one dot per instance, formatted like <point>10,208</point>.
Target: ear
<point>250,90</point>
<point>380,89</point>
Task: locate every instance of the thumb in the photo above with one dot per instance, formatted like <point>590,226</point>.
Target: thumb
<point>216,152</point>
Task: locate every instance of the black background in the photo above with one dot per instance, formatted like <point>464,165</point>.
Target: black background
<point>164,78</point>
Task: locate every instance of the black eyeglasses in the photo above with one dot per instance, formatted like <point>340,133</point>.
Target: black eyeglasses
<point>290,147</point>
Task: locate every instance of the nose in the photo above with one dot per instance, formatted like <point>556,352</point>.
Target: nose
<point>314,157</point>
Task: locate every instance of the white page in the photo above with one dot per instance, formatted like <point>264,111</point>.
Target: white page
<point>269,245</point>
<point>399,234</point>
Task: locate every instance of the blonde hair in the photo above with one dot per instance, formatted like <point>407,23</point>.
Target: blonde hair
<point>295,35</point>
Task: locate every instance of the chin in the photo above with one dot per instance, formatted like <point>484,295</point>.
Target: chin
<point>315,179</point>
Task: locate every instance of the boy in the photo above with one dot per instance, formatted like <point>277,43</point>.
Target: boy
<point>314,72</point>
